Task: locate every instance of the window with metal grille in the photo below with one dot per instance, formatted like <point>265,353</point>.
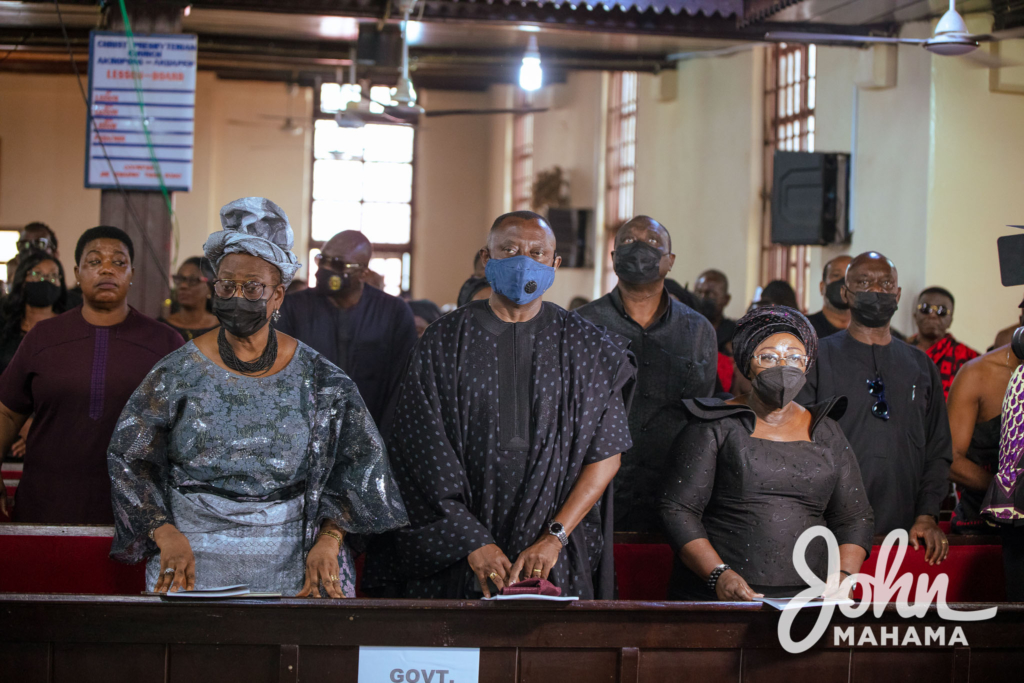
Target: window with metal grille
<point>363,180</point>
<point>621,149</point>
<point>522,156</point>
<point>790,90</point>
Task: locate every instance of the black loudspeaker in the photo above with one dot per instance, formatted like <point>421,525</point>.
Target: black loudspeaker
<point>573,230</point>
<point>810,198</point>
<point>379,48</point>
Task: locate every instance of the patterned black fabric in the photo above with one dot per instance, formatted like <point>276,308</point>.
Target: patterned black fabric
<point>494,424</point>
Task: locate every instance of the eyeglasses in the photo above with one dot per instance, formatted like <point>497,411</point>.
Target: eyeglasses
<point>937,309</point>
<point>876,387</point>
<point>42,244</point>
<point>191,281</point>
<point>335,263</point>
<point>771,360</point>
<point>251,290</point>
<point>36,276</point>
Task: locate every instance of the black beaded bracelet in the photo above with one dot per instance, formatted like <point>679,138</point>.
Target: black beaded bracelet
<point>715,573</point>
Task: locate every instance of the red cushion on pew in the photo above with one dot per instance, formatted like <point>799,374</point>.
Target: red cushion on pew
<point>975,572</point>
<point>65,564</point>
<point>643,570</point>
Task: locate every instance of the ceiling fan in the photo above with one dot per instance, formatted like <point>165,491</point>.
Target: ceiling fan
<point>951,39</point>
<point>405,109</point>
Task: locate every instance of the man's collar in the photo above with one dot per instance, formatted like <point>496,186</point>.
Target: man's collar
<point>616,299</point>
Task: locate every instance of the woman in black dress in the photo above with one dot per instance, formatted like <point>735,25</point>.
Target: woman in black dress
<point>193,284</point>
<point>753,473</point>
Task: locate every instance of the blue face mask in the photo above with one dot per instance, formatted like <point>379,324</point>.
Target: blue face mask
<point>519,278</point>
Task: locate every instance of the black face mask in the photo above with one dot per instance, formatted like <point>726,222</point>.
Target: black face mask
<point>872,309</point>
<point>41,294</point>
<point>777,386</point>
<point>239,316</point>
<point>331,282</point>
<point>834,295</point>
<point>637,263</point>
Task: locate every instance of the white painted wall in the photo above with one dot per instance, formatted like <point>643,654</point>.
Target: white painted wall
<point>699,167</point>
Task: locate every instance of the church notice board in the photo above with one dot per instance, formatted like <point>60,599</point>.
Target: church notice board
<point>154,92</point>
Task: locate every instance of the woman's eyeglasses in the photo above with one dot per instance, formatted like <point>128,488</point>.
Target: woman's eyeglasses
<point>937,309</point>
<point>191,281</point>
<point>251,290</point>
<point>876,387</point>
<point>771,360</point>
<point>36,276</point>
<point>335,263</point>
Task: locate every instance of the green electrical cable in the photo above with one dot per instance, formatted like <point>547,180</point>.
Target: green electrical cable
<point>135,65</point>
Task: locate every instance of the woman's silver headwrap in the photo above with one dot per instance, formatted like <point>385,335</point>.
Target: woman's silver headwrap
<point>255,226</point>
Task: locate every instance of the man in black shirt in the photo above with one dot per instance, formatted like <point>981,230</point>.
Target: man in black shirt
<point>713,287</point>
<point>676,355</point>
<point>364,331</point>
<point>896,420</point>
<point>835,314</point>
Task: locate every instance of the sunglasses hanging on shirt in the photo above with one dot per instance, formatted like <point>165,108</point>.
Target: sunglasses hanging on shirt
<point>876,387</point>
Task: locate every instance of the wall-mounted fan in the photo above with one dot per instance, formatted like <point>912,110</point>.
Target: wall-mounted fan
<point>951,39</point>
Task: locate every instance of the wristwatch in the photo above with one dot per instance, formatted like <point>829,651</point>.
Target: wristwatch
<point>715,573</point>
<point>558,531</point>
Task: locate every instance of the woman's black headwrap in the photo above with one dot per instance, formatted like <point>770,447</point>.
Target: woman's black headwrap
<point>763,322</point>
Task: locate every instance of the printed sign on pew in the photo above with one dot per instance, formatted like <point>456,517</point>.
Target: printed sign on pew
<point>883,587</point>
<point>419,665</point>
<point>152,92</point>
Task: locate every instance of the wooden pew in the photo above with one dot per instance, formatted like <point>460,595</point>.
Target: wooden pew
<point>81,639</point>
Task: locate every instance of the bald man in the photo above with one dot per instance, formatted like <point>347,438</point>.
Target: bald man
<point>508,431</point>
<point>676,351</point>
<point>364,331</point>
<point>834,314</point>
<point>712,286</point>
<point>896,418</point>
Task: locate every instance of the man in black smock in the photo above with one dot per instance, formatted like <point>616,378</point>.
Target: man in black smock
<point>896,420</point>
<point>508,430</point>
<point>366,332</point>
<point>676,353</point>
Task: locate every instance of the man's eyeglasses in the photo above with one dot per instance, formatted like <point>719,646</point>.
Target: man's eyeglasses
<point>937,309</point>
<point>876,387</point>
<point>335,263</point>
<point>251,290</point>
<point>36,276</point>
<point>41,244</point>
<point>191,281</point>
<point>771,360</point>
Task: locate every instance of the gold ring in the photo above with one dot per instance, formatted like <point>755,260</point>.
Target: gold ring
<point>945,541</point>
<point>334,579</point>
<point>538,572</point>
<point>492,576</point>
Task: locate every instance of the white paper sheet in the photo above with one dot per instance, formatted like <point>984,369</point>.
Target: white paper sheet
<point>550,598</point>
<point>785,603</point>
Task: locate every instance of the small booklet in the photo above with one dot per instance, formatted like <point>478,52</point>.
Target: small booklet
<point>549,598</point>
<point>215,592</point>
<point>787,603</point>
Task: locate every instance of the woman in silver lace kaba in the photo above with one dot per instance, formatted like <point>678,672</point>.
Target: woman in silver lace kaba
<point>245,457</point>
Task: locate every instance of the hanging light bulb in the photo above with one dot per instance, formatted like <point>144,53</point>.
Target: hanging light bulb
<point>531,75</point>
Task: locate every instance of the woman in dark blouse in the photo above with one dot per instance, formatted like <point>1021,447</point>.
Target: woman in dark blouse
<point>194,287</point>
<point>753,473</point>
<point>37,292</point>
